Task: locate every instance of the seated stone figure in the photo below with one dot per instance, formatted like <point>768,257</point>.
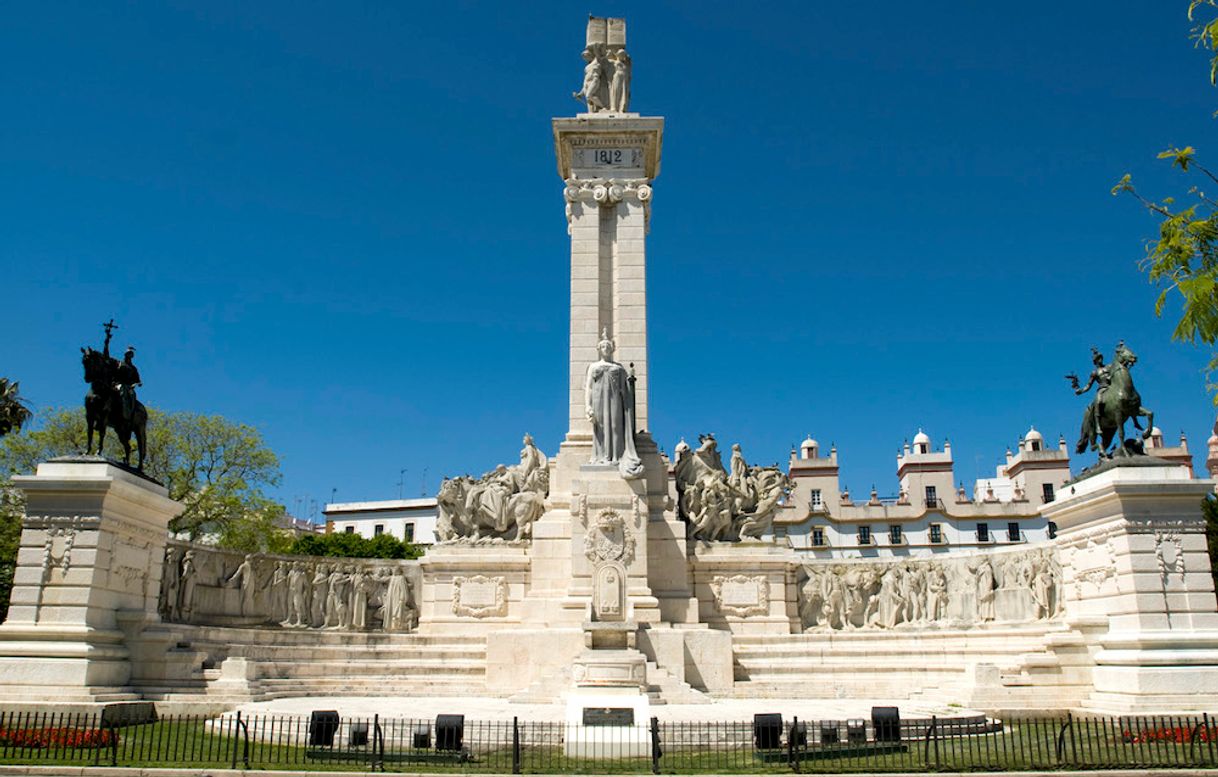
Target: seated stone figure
<point>501,505</point>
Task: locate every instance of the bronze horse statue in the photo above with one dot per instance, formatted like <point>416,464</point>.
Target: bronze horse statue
<point>104,408</point>
<point>1120,402</point>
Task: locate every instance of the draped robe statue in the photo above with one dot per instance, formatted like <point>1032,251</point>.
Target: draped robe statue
<point>609,402</point>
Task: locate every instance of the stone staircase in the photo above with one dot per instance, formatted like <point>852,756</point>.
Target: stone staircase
<point>994,666</point>
<point>256,664</point>
<point>664,688</point>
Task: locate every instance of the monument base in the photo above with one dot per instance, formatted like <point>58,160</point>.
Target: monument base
<point>747,587</point>
<point>472,588</point>
<point>607,723</point>
<point>92,542</point>
<point>1133,550</point>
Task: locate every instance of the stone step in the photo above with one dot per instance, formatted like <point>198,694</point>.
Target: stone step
<point>319,637</point>
<point>369,686</point>
<point>302,653</point>
<point>358,669</point>
<point>664,688</point>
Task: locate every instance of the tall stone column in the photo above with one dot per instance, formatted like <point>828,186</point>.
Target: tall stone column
<point>1136,578</point>
<point>88,575</point>
<point>608,164</point>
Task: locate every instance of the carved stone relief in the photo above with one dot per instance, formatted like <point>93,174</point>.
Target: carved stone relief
<point>609,538</point>
<point>609,593</point>
<point>1169,553</point>
<point>201,584</point>
<point>1011,587</point>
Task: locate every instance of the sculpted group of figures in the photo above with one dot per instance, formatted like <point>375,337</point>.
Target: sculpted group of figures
<point>501,505</point>
<point>1024,586</point>
<point>606,84</point>
<point>313,593</point>
<point>726,504</point>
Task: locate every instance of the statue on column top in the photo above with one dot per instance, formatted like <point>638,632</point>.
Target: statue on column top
<point>606,86</point>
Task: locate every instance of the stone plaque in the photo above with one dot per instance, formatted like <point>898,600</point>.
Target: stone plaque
<point>742,595</point>
<point>480,596</point>
<point>608,158</point>
<point>608,716</point>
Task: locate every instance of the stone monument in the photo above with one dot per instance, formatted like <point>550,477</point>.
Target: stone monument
<point>606,580</point>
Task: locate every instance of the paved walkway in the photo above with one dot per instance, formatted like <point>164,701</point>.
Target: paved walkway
<point>490,709</point>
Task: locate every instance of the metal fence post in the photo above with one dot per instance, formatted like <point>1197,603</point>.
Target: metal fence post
<point>931,734</point>
<point>233,729</point>
<point>791,760</point>
<point>113,743</point>
<point>515,745</point>
<point>1061,736</point>
<point>655,746</point>
<point>376,737</point>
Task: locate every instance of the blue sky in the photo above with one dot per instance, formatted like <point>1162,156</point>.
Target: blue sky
<point>341,222</point>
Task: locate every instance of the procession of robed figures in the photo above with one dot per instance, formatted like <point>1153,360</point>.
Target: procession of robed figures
<point>346,594</point>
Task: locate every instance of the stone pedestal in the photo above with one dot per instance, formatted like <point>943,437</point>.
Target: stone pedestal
<point>608,706</point>
<point>747,587</point>
<point>1133,552</point>
<point>473,589</point>
<point>87,581</point>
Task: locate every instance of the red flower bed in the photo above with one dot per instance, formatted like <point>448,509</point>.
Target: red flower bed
<point>56,737</point>
<point>1180,735</point>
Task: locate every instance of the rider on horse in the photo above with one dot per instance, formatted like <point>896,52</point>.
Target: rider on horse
<point>1101,376</point>
<point>126,378</point>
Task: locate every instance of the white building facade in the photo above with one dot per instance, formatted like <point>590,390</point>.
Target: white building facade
<point>410,520</point>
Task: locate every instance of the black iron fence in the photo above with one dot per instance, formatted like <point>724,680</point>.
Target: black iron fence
<point>768,744</point>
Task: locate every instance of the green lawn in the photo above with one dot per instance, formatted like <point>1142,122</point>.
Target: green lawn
<point>1022,745</point>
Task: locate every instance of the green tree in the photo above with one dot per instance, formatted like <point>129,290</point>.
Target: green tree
<point>215,467</point>
<point>1209,508</point>
<point>1183,261</point>
<point>13,411</point>
<point>351,545</point>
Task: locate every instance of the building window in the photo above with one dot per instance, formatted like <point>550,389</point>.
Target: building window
<point>818,536</point>
<point>408,532</point>
<point>1013,532</point>
<point>350,530</point>
<point>936,533</point>
<point>1046,491</point>
<point>932,497</point>
<point>1052,530</point>
<point>864,535</point>
<point>983,532</point>
<point>817,502</point>
<point>378,530</point>
<point>894,535</point>
<point>1036,445</point>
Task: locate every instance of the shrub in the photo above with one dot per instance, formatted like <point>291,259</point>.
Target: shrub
<point>57,737</point>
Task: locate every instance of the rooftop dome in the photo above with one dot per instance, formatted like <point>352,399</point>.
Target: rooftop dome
<point>921,437</point>
<point>809,443</point>
<point>1033,435</point>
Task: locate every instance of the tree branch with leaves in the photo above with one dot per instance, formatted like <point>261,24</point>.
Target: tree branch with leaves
<point>1183,261</point>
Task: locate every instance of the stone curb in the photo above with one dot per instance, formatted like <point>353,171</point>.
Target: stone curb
<point>121,771</point>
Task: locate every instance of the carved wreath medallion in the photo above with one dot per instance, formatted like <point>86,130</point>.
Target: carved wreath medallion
<point>741,595</point>
<point>480,596</point>
<point>609,538</point>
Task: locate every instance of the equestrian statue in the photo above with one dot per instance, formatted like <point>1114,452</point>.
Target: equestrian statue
<point>111,400</point>
<point>1116,401</point>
